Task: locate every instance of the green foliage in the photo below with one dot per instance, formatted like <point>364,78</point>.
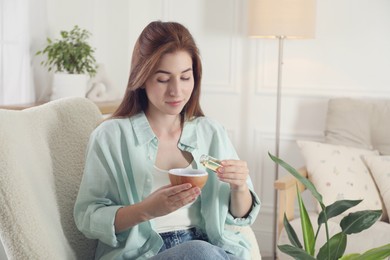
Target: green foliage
<point>359,221</point>
<point>71,54</point>
<point>307,228</point>
<point>336,209</point>
<point>335,246</point>
<point>292,236</point>
<point>376,253</point>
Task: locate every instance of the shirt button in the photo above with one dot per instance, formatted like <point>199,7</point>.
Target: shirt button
<point>148,180</point>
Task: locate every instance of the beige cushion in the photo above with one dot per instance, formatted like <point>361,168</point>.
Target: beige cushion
<point>347,123</point>
<point>380,126</point>
<point>338,172</point>
<point>380,170</point>
<point>359,123</point>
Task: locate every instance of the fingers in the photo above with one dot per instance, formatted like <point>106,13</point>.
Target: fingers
<point>185,197</point>
<point>170,198</point>
<point>164,187</point>
<point>181,195</point>
<point>234,172</point>
<point>234,163</point>
<point>233,169</point>
<point>172,190</point>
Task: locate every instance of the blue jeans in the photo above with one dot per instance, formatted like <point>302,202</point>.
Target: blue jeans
<point>189,244</point>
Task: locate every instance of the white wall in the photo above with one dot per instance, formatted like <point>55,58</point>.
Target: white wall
<point>349,57</point>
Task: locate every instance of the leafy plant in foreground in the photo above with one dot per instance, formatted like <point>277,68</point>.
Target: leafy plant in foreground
<point>335,246</point>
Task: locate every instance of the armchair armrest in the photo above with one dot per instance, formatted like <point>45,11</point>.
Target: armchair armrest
<point>287,194</point>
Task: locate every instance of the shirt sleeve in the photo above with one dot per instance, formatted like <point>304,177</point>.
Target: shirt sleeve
<point>251,217</point>
<point>225,149</point>
<point>97,201</point>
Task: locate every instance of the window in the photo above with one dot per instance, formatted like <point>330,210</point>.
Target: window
<point>16,84</point>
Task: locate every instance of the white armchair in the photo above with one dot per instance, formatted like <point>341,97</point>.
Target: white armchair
<point>41,164</point>
<point>42,151</point>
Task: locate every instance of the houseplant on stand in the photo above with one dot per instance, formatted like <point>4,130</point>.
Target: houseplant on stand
<point>72,60</point>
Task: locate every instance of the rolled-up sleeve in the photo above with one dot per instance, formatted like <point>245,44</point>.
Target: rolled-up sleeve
<point>251,217</point>
<point>98,199</point>
<point>225,149</point>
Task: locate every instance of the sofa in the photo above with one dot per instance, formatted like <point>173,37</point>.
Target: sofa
<point>352,163</point>
<point>42,152</point>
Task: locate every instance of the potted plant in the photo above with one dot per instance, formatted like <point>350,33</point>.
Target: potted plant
<point>72,60</point>
<point>334,246</point>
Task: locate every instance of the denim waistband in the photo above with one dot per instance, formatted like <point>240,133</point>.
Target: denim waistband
<point>173,238</point>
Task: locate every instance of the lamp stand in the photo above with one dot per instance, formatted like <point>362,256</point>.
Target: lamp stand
<point>277,139</point>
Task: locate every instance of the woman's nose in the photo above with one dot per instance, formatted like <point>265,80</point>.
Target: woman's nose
<point>174,87</point>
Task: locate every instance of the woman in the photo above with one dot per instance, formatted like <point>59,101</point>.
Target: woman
<point>125,199</point>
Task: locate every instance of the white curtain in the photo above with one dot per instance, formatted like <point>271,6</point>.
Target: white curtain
<point>16,84</point>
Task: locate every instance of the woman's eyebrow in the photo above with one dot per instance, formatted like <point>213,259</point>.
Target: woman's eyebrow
<point>184,71</point>
<point>167,72</point>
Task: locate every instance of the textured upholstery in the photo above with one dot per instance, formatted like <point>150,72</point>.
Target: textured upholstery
<point>247,232</point>
<point>41,164</point>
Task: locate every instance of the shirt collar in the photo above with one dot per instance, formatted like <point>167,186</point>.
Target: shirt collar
<point>145,134</point>
<point>189,136</point>
<point>142,129</point>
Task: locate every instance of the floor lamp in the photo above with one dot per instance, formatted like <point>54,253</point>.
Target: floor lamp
<point>281,19</point>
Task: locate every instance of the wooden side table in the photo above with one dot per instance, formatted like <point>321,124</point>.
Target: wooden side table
<point>108,107</point>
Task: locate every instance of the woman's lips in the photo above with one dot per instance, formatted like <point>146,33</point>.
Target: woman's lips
<point>174,103</point>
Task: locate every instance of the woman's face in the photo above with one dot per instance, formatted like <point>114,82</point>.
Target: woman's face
<point>169,88</point>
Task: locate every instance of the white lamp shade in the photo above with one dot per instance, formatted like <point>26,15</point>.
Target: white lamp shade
<point>282,18</point>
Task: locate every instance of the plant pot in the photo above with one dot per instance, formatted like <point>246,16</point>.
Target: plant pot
<point>69,85</point>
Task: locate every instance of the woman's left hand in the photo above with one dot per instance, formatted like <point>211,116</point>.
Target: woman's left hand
<point>234,172</point>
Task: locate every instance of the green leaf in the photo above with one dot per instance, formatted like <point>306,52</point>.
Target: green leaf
<point>378,253</point>
<point>307,228</point>
<point>337,245</point>
<point>308,184</point>
<point>292,236</point>
<point>359,221</point>
<point>295,252</point>
<point>336,209</point>
<point>349,257</point>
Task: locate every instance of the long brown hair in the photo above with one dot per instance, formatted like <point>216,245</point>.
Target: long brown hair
<point>159,38</point>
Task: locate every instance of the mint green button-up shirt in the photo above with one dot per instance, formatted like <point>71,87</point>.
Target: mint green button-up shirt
<point>118,172</point>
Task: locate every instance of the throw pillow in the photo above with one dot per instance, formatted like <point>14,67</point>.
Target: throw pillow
<point>380,126</point>
<point>338,172</point>
<point>380,170</point>
<point>348,123</point>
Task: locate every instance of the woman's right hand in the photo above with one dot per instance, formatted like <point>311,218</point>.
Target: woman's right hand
<point>169,198</point>
<point>161,202</point>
